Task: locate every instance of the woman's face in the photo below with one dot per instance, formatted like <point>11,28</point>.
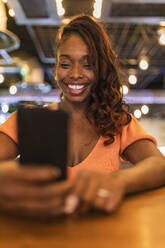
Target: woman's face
<point>74,74</point>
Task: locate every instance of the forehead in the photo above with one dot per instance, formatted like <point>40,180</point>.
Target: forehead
<point>72,45</point>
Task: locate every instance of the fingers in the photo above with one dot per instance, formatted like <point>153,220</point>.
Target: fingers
<point>113,202</point>
<point>30,191</point>
<point>35,208</point>
<point>95,191</point>
<point>40,201</point>
<point>71,204</point>
<point>30,173</point>
<point>33,191</point>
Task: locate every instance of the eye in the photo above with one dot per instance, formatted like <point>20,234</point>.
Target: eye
<point>88,66</point>
<point>64,65</point>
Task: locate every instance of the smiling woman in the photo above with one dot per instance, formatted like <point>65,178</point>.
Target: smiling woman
<point>85,48</point>
<point>101,131</point>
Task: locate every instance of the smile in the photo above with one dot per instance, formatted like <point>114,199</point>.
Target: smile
<point>76,86</point>
<point>76,89</point>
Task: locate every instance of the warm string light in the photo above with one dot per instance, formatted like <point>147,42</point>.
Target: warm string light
<point>138,112</point>
<point>97,8</point>
<point>145,109</point>
<point>124,89</point>
<point>144,64</point>
<point>132,79</point>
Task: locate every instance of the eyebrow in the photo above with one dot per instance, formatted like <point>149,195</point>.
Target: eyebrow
<point>67,56</point>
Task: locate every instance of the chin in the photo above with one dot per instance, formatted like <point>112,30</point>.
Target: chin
<point>77,99</point>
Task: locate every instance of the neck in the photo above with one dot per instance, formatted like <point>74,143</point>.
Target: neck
<point>75,108</point>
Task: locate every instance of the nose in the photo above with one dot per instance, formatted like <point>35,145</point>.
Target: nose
<point>76,72</point>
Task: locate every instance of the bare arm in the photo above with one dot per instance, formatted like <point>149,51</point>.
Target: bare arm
<point>8,148</point>
<point>148,170</point>
<point>106,192</point>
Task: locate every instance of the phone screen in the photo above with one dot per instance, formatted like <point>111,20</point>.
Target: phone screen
<point>42,137</point>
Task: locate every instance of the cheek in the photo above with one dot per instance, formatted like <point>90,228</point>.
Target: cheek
<point>92,77</point>
<point>62,73</point>
<point>59,74</point>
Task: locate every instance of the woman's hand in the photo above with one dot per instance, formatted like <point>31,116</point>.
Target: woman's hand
<point>30,191</point>
<point>98,191</point>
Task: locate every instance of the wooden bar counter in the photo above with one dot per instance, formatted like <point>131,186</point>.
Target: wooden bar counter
<point>139,223</point>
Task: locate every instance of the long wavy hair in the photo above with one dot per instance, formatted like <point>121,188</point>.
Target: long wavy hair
<point>106,107</point>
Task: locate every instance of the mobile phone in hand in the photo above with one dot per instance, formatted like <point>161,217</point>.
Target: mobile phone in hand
<point>42,137</point>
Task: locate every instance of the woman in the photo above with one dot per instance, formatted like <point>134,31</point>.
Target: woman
<point>101,131</point>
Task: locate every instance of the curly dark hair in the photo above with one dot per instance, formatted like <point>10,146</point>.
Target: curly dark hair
<point>106,107</point>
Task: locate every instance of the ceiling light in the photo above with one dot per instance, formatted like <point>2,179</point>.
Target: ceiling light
<point>13,90</point>
<point>11,12</point>
<point>60,9</point>
<point>145,109</point>
<point>132,79</point>
<point>97,8</point>
<point>137,113</point>
<point>162,23</point>
<point>162,39</point>
<point>5,108</point>
<point>5,1</point>
<point>1,78</point>
<point>143,64</point>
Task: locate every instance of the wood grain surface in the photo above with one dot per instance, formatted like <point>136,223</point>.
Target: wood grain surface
<point>139,223</point>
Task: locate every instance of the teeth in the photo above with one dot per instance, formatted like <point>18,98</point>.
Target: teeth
<point>75,87</point>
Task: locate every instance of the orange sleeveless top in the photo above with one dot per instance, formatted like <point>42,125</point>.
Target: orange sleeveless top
<point>102,158</point>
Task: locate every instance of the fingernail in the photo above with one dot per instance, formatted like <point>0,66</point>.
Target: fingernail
<point>71,203</point>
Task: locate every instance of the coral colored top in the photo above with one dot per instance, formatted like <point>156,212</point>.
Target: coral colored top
<point>102,158</point>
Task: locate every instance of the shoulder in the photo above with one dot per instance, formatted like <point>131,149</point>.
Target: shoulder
<point>53,106</point>
<point>9,127</point>
<point>133,127</point>
<point>132,132</point>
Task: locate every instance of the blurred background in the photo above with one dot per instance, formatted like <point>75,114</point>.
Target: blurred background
<point>135,27</point>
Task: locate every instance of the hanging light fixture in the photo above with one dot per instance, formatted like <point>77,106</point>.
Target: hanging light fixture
<point>8,40</point>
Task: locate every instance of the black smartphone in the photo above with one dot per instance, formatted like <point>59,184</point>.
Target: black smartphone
<point>42,137</point>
